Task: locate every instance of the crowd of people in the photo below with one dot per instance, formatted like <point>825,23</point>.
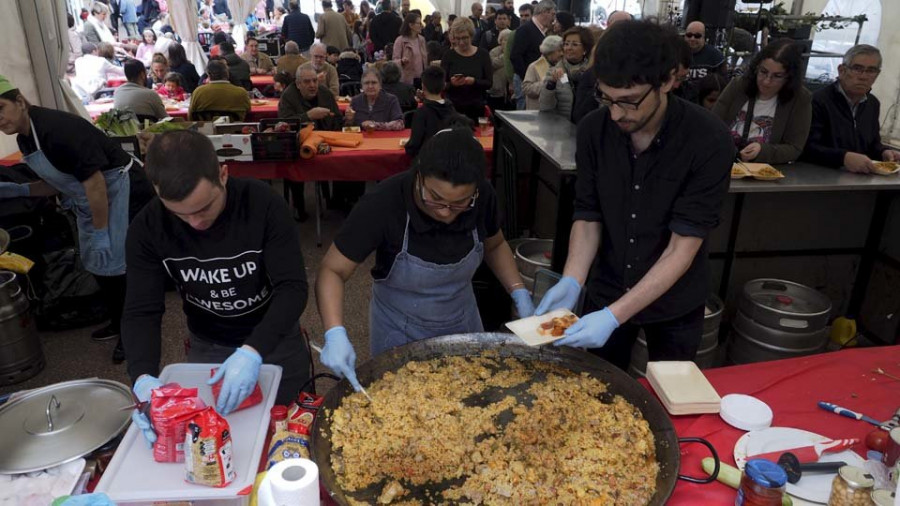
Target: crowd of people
<point>646,101</point>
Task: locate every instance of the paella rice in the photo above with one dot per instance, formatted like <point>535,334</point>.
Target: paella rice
<point>487,430</point>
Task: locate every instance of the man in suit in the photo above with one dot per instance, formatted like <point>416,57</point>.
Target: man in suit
<point>526,44</point>
<point>333,29</point>
<point>298,28</point>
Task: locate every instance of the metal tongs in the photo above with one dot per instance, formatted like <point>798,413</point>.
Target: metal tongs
<point>361,388</point>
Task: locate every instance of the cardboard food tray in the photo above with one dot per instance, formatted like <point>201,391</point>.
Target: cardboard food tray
<point>133,477</point>
<point>527,328</point>
<point>754,169</point>
<point>683,388</point>
<point>886,168</point>
<point>738,171</point>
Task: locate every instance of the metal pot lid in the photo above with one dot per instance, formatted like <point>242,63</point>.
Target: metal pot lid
<point>787,297</point>
<point>60,423</point>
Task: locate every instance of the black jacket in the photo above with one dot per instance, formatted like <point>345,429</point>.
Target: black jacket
<point>238,71</point>
<point>427,121</point>
<point>405,94</point>
<point>384,30</point>
<point>584,96</point>
<point>189,77</point>
<point>298,28</point>
<point>834,131</point>
<point>526,47</point>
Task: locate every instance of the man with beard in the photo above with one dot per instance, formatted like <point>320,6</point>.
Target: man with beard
<point>649,198</point>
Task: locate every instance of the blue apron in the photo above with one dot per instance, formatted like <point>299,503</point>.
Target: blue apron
<point>73,196</point>
<point>418,299</point>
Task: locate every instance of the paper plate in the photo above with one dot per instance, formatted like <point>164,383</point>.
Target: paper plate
<point>886,168</point>
<point>527,328</point>
<point>814,487</point>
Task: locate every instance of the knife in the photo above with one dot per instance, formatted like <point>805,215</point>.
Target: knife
<point>834,408</point>
<point>811,453</point>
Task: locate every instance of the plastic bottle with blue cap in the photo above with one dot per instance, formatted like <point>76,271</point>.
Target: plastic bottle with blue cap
<point>762,484</point>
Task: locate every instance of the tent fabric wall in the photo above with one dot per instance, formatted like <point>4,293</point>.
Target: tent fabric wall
<point>184,21</point>
<point>15,65</point>
<point>240,9</point>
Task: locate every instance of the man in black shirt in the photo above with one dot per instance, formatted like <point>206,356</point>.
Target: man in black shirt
<point>845,129</point>
<point>234,254</point>
<point>489,37</point>
<point>514,20</point>
<point>385,27</point>
<point>706,59</point>
<point>653,171</point>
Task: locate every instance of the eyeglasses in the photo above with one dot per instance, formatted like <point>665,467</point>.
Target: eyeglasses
<point>691,35</point>
<point>572,43</point>
<point>622,104</point>
<point>772,76</point>
<point>861,69</point>
<point>439,205</point>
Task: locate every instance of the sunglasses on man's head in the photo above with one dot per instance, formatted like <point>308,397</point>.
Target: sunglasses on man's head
<point>693,35</point>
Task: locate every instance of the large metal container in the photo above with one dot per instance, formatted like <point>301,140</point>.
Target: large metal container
<point>709,342</point>
<point>21,356</point>
<point>533,254</point>
<point>778,319</point>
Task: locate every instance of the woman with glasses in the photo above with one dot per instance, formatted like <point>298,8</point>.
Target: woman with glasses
<point>409,49</point>
<point>373,109</point>
<point>551,54</point>
<point>558,92</point>
<point>430,228</point>
<point>768,110</point>
<point>468,70</point>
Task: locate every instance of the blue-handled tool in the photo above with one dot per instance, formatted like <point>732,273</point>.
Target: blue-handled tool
<point>834,408</point>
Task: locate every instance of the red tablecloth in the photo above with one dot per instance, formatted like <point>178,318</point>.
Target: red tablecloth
<point>373,162</point>
<point>261,81</point>
<point>792,388</point>
<point>115,82</point>
<point>257,112</point>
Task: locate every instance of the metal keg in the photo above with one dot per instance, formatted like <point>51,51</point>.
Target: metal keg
<point>778,319</point>
<point>709,341</point>
<point>531,255</point>
<point>21,356</point>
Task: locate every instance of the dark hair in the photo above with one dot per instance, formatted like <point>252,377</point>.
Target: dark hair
<point>435,50</point>
<point>217,70</point>
<point>685,55</point>
<point>450,19</point>
<point>789,55</point>
<point>13,95</point>
<point>70,20</point>
<point>177,161</point>
<point>416,11</point>
<point>332,50</point>
<point>284,78</point>
<point>386,5</point>
<point>504,12</point>
<point>405,30</point>
<point>226,47</point>
<point>390,73</point>
<point>565,19</point>
<point>219,37</point>
<point>326,4</point>
<point>634,52</point>
<point>251,38</point>
<point>452,155</point>
<point>584,35</point>
<point>174,77</point>
<point>526,7</point>
<point>712,82</point>
<point>177,57</point>
<point>133,70</point>
<point>433,79</point>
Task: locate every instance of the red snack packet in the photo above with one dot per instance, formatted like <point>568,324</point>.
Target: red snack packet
<point>208,450</point>
<point>253,399</point>
<point>303,412</point>
<point>171,407</point>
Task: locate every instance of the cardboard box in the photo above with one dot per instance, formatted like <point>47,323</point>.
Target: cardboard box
<point>232,147</point>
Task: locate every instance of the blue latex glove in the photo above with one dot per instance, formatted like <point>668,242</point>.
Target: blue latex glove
<point>240,370</point>
<point>97,499</point>
<point>101,249</point>
<point>13,190</point>
<point>142,388</point>
<point>338,355</point>
<point>524,306</point>
<point>563,295</point>
<point>591,331</point>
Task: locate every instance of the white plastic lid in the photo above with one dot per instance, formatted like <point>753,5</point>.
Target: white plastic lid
<point>745,412</point>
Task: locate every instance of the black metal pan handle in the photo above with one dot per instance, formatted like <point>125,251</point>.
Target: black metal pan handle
<point>711,478</point>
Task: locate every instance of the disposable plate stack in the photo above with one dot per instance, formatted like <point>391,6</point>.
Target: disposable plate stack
<point>682,388</point>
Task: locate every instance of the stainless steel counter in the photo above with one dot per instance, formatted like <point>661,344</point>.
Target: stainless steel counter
<point>554,137</point>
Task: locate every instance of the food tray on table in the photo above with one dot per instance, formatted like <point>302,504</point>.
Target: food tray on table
<point>133,477</point>
<point>759,171</point>
<point>886,168</point>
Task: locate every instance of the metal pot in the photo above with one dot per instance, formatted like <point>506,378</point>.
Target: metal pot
<point>531,255</point>
<point>21,356</point>
<point>507,345</point>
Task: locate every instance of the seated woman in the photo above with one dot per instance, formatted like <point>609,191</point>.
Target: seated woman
<point>551,53</point>
<point>172,88</point>
<point>374,109</point>
<point>558,92</point>
<point>768,109</point>
<point>405,93</point>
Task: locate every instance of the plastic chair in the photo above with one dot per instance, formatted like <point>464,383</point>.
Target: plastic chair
<point>351,89</point>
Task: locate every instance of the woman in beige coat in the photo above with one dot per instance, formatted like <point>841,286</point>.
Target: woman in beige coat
<point>551,51</point>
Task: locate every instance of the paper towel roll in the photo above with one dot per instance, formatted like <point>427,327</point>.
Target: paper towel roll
<point>291,482</point>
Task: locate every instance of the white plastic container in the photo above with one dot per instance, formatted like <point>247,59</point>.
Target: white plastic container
<point>134,478</point>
